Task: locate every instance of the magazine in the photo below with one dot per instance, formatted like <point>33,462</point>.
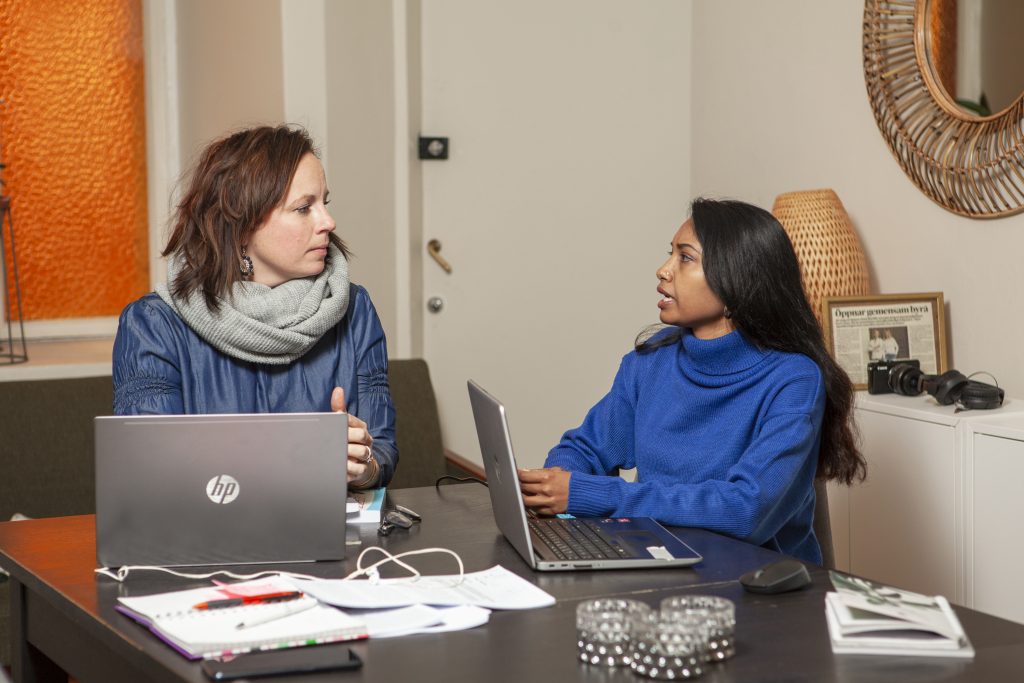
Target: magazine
<point>865,617</point>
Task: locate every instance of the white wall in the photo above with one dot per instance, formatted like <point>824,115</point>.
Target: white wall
<point>229,68</point>
<point>779,104</point>
<point>329,66</point>
<point>361,173</point>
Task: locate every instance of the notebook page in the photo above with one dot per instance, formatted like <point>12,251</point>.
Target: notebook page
<point>215,632</point>
<point>162,604</point>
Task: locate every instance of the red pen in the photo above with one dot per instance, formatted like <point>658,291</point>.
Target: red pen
<point>249,600</point>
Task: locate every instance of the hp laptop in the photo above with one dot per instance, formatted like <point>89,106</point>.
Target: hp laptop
<point>220,489</point>
<point>553,544</point>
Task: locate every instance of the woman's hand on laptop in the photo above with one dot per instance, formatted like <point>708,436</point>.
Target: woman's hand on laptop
<point>545,490</point>
<point>363,470</point>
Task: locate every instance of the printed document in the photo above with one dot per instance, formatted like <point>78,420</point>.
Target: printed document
<point>494,588</point>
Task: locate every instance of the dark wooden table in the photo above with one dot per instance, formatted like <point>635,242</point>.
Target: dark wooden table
<point>63,614</point>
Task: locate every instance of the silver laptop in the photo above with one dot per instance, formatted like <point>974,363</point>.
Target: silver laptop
<point>554,544</point>
<point>220,489</point>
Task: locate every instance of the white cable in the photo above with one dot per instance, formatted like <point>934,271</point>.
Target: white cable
<point>397,560</point>
<point>121,573</point>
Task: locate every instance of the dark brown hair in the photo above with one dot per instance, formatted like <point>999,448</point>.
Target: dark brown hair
<point>235,185</point>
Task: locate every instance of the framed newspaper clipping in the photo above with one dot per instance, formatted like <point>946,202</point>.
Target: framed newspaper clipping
<point>862,329</point>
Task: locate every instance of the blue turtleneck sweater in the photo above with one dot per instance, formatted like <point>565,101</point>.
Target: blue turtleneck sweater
<point>724,436</point>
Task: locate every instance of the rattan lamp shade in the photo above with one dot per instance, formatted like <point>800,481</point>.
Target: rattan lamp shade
<point>832,261</point>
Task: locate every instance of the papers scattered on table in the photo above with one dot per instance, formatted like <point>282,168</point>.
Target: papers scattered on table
<point>868,618</point>
<point>494,588</point>
<point>428,604</point>
<point>364,507</point>
<point>206,633</point>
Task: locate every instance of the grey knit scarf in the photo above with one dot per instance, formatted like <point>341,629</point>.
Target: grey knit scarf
<point>268,325</point>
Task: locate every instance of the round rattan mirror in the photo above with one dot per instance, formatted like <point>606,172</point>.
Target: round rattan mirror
<point>968,163</point>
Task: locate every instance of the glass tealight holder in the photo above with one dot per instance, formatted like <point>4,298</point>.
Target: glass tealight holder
<point>718,616</point>
<point>668,647</point>
<point>602,630</point>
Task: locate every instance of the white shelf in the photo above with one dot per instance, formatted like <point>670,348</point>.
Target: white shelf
<point>925,408</point>
<point>62,359</point>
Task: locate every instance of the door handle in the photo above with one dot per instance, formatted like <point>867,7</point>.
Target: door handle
<point>434,249</point>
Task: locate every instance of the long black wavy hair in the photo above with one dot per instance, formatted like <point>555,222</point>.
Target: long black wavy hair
<point>749,263</point>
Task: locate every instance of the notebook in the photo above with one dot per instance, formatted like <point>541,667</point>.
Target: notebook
<point>199,633</point>
<point>220,489</point>
<point>554,544</point>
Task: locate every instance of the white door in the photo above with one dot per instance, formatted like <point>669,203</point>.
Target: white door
<point>569,172</point>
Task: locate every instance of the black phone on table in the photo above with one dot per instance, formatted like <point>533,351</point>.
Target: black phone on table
<point>276,662</point>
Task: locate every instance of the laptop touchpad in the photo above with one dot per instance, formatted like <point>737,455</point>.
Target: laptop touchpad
<point>638,541</point>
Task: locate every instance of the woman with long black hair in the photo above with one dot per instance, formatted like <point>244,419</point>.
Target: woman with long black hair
<point>730,412</point>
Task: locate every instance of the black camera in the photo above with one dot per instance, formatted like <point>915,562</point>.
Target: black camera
<point>904,377</point>
<point>894,376</point>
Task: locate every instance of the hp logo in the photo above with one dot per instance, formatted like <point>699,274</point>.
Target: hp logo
<point>222,489</point>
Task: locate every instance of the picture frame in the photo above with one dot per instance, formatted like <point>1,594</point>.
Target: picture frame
<point>861,329</point>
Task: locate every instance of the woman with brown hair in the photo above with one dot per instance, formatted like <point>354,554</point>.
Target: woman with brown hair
<point>258,314</point>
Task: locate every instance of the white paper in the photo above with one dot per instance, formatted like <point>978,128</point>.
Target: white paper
<point>660,552</point>
<point>182,602</point>
<point>459,618</point>
<point>386,623</point>
<point>423,619</point>
<point>494,588</point>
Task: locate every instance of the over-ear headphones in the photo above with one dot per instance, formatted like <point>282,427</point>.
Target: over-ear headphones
<point>948,388</point>
<point>980,396</point>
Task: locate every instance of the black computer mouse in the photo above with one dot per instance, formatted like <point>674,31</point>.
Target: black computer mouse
<point>777,577</point>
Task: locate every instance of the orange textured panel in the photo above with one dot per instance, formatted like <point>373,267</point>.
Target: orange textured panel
<point>73,136</point>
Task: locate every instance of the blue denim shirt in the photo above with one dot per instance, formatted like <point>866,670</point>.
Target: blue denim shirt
<point>162,367</point>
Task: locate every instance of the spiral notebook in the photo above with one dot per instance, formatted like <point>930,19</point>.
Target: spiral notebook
<point>204,634</point>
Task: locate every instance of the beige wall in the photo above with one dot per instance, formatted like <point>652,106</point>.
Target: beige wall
<point>779,104</point>
<point>229,68</point>
<point>361,102</point>
<point>233,78</point>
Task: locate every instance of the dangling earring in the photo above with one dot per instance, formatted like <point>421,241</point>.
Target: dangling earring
<point>245,266</point>
<point>727,313</point>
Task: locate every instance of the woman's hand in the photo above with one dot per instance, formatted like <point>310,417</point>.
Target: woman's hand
<point>545,490</point>
<point>363,470</point>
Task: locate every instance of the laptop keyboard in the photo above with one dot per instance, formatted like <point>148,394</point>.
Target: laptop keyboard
<point>575,539</point>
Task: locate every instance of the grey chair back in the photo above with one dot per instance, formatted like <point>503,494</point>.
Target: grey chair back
<point>47,451</point>
<point>823,525</point>
<point>46,444</point>
<point>421,456</point>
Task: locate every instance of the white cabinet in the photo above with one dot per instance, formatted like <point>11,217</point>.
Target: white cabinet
<point>994,515</point>
<point>903,518</point>
<point>942,504</point>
